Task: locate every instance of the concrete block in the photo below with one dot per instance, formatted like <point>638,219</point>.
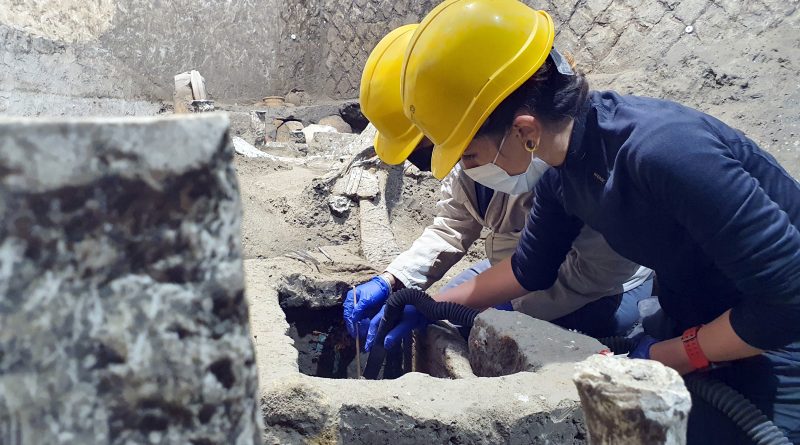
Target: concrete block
<point>123,314</point>
<point>506,342</point>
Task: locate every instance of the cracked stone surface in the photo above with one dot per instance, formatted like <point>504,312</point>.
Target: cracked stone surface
<point>507,342</point>
<point>632,401</point>
<point>123,314</point>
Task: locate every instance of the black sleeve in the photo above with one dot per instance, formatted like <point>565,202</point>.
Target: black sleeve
<point>736,223</point>
<point>547,237</point>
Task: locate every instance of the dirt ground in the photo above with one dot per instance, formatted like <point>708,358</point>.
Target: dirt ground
<point>282,212</point>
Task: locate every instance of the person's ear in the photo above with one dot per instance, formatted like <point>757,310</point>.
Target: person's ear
<point>529,130</point>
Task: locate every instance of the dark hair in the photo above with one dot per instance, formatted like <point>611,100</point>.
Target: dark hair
<point>549,95</point>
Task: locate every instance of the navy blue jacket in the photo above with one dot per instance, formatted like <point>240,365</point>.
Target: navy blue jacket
<point>684,194</point>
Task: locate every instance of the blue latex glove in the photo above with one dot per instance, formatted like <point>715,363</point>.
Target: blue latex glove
<point>371,296</point>
<point>642,349</point>
<point>411,320</point>
<point>505,306</point>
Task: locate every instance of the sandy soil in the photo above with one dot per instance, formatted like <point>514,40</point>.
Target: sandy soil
<point>283,213</point>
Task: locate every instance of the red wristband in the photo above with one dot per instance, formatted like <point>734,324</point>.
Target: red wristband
<point>696,355</point>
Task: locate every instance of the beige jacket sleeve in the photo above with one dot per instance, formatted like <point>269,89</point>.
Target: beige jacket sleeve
<point>591,270</point>
<point>443,243</point>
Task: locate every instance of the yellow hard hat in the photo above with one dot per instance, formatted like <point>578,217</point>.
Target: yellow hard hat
<point>464,59</point>
<point>380,97</point>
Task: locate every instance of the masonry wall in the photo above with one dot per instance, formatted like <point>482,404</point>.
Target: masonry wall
<point>736,60</point>
<point>119,56</point>
<point>333,39</point>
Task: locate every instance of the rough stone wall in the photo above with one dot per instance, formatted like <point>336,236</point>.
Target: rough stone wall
<point>121,285</point>
<point>738,61</point>
<point>73,57</point>
<point>333,39</point>
<point>121,61</point>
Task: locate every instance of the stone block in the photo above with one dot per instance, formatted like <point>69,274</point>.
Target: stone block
<point>506,342</point>
<point>445,353</point>
<point>297,97</point>
<point>182,96</point>
<point>336,122</point>
<point>637,402</point>
<point>310,132</point>
<point>291,131</point>
<point>123,313</point>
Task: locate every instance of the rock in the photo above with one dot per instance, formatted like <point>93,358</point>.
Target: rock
<point>351,113</point>
<point>291,131</point>
<point>271,129</point>
<point>336,122</point>
<point>314,129</point>
<point>506,342</point>
<point>297,98</point>
<point>183,97</point>
<point>445,351</point>
<point>339,205</point>
<point>243,148</point>
<point>637,402</point>
<point>258,127</point>
<point>123,313</point>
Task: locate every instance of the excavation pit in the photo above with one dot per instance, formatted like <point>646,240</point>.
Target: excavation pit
<point>325,349</point>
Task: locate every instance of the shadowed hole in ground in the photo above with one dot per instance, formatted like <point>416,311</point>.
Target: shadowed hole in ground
<point>325,349</point>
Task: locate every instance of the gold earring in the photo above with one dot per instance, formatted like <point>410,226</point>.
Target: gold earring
<point>530,147</point>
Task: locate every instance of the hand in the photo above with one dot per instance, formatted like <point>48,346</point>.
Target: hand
<point>371,296</point>
<point>411,320</point>
<point>642,348</point>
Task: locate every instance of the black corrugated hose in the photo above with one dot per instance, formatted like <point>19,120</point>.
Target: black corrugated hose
<point>730,402</point>
<point>393,313</point>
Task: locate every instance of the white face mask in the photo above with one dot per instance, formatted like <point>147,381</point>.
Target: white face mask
<point>494,177</point>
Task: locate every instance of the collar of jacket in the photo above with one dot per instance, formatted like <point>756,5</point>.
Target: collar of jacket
<point>576,150</point>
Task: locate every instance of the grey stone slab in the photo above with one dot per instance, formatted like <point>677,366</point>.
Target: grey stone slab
<point>506,342</point>
<point>123,314</point>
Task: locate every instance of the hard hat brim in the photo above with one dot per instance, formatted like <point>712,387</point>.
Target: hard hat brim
<point>450,145</point>
<point>396,151</point>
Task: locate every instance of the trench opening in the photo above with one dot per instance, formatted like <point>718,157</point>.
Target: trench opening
<point>325,348</point>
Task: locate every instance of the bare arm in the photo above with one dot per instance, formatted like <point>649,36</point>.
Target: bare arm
<point>717,339</point>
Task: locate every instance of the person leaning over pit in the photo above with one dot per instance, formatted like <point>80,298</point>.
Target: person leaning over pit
<point>668,187</point>
<point>597,291</point>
